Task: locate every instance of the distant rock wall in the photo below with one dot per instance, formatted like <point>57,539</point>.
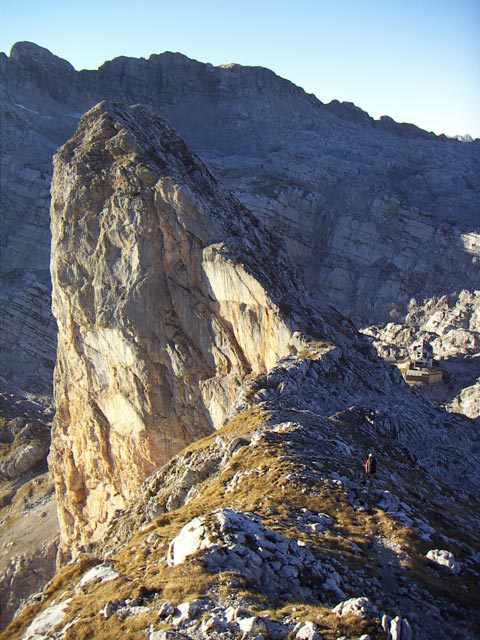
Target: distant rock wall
<point>159,313</point>
<point>374,213</point>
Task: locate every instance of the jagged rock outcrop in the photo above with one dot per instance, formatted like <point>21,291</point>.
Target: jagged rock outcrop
<point>165,296</point>
<point>168,293</point>
<point>373,212</point>
<point>450,323</point>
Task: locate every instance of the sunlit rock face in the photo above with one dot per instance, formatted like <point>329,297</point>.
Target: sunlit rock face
<point>159,289</point>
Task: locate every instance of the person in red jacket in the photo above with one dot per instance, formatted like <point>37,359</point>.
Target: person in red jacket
<point>370,468</point>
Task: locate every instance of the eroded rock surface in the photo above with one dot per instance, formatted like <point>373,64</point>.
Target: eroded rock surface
<point>373,212</point>
<point>451,324</point>
<point>167,293</point>
<point>234,552</point>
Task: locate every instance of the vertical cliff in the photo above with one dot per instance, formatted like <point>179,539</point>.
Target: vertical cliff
<point>159,313</point>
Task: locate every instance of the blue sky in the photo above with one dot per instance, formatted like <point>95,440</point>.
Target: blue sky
<point>414,60</point>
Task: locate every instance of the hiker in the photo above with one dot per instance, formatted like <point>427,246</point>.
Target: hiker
<point>370,468</point>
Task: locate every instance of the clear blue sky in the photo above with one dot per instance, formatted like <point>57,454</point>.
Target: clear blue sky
<point>414,60</point>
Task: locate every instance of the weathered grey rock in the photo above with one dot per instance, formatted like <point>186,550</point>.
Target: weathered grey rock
<point>361,607</point>
<point>444,561</point>
<point>159,288</point>
<point>285,462</point>
<point>389,501</point>
<point>252,625</point>
<point>239,542</point>
<point>47,622</point>
<point>451,324</point>
<point>184,612</point>
<point>29,525</point>
<point>397,628</point>
<point>27,573</point>
<point>168,635</point>
<point>337,383</point>
<point>98,574</point>
<point>467,401</point>
<point>308,631</point>
<point>374,212</point>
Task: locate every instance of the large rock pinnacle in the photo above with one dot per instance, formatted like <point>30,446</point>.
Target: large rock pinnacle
<point>159,289</point>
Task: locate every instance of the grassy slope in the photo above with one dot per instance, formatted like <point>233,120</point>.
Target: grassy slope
<point>288,472</point>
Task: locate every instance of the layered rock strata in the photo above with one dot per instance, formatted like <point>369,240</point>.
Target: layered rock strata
<point>160,292</point>
<point>374,213</point>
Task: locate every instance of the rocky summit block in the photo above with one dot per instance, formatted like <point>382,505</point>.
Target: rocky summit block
<point>167,291</point>
<point>374,213</point>
<point>169,295</point>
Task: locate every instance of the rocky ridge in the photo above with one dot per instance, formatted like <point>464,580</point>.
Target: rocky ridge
<point>165,298</point>
<point>37,116</point>
<point>257,531</point>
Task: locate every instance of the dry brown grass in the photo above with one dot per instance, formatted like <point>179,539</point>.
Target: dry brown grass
<point>263,488</point>
<point>58,588</point>
<point>330,625</point>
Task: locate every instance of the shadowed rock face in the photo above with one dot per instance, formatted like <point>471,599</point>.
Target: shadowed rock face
<point>165,296</point>
<point>374,213</point>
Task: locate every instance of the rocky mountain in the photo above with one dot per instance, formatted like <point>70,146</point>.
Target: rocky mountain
<point>179,315</point>
<point>175,307</point>
<point>372,212</point>
<point>28,514</point>
<point>159,315</point>
<point>258,532</point>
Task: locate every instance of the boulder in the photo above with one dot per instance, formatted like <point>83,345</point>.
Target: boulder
<point>46,623</point>
<point>389,502</point>
<point>100,573</point>
<point>308,631</point>
<point>237,541</point>
<point>361,607</point>
<point>444,561</point>
<point>397,628</point>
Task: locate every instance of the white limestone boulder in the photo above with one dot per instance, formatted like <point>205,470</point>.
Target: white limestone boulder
<point>99,573</point>
<point>361,607</point>
<point>308,631</point>
<point>444,561</point>
<point>237,541</point>
<point>44,625</point>
<point>191,539</point>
